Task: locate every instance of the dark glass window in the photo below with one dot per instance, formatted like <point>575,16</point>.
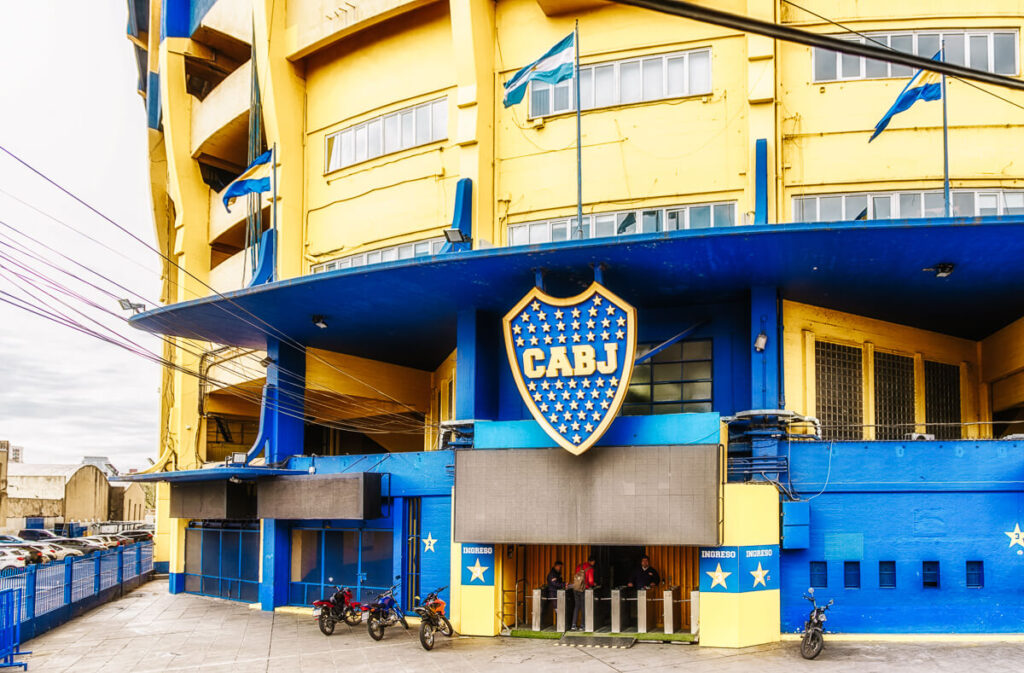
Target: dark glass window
<point>887,574</point>
<point>840,390</point>
<point>851,574</point>
<point>676,380</point>
<point>894,395</point>
<point>975,574</point>
<point>930,574</point>
<point>819,574</point>
<point>942,399</point>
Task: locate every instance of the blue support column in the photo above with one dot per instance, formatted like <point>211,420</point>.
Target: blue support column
<point>476,376</point>
<point>281,417</point>
<point>398,540</point>
<point>760,181</point>
<point>275,557</point>
<point>764,364</point>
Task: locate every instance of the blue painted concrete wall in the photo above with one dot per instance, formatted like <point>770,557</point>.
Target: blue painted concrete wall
<point>910,502</point>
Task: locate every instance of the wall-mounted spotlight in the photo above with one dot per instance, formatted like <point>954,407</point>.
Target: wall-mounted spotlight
<point>760,342</point>
<point>456,236</point>
<point>320,322</point>
<point>129,305</point>
<point>943,270</point>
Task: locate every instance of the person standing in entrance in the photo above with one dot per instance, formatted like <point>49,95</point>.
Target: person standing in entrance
<point>645,576</point>
<point>553,584</point>
<point>582,580</point>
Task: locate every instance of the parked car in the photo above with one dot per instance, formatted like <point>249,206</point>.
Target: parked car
<point>31,555</point>
<point>37,535</point>
<point>137,535</point>
<point>64,551</point>
<point>104,540</point>
<point>11,562</point>
<point>9,539</point>
<point>87,547</point>
<point>49,552</point>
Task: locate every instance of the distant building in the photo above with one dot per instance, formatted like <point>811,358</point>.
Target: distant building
<point>101,462</point>
<point>55,493</point>
<point>15,454</point>
<point>127,501</point>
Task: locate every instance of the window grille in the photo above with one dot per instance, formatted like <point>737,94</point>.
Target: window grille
<point>840,390</point>
<point>887,574</point>
<point>819,575</point>
<point>975,574</point>
<point>851,575</point>
<point>942,399</point>
<point>894,395</point>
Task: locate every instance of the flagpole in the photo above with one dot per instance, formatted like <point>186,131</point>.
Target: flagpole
<point>579,152</point>
<point>945,138</point>
<point>273,205</point>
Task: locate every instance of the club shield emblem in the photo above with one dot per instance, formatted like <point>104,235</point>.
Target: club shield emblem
<point>572,360</point>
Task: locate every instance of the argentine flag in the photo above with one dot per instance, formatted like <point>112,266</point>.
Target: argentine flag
<point>924,85</point>
<point>557,65</point>
<point>255,180</point>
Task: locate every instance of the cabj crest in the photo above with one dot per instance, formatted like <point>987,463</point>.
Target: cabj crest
<point>572,360</point>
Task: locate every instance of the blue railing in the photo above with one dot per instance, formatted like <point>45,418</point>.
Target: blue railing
<point>53,593</point>
<point>10,629</point>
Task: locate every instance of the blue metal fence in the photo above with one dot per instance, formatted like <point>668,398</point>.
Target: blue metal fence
<point>51,594</point>
<point>10,628</point>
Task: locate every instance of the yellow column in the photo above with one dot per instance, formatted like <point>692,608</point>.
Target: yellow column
<point>739,581</point>
<point>473,45</point>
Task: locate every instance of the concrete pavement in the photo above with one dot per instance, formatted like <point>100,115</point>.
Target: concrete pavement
<point>151,630</point>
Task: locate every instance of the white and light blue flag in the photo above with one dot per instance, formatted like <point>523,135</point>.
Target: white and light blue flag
<point>255,180</point>
<point>557,65</point>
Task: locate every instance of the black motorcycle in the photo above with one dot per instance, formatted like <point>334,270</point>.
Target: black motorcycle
<point>432,619</point>
<point>384,612</point>
<point>814,639</point>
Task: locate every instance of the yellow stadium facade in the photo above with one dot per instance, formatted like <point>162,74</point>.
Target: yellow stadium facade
<point>808,318</point>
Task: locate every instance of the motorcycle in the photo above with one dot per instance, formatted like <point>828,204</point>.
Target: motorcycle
<point>814,640</point>
<point>339,607</point>
<point>384,612</point>
<point>432,619</point>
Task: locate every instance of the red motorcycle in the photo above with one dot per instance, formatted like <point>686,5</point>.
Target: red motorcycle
<point>338,608</point>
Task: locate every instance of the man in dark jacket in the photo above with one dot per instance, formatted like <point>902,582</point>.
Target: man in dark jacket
<point>552,585</point>
<point>645,576</point>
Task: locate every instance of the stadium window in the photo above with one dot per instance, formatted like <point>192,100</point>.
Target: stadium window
<point>818,575</point>
<point>431,246</point>
<point>906,205</point>
<point>975,574</point>
<point>894,395</point>
<point>887,574</point>
<point>638,80</point>
<point>676,380</point>
<point>851,575</point>
<point>623,223</point>
<point>942,400</point>
<point>930,574</point>
<point>411,127</point>
<point>988,50</point>
<point>839,390</point>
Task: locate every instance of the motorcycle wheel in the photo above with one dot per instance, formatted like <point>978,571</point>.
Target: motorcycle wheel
<point>812,644</point>
<point>446,626</point>
<point>375,628</point>
<point>353,617</point>
<point>325,623</point>
<point>427,636</point>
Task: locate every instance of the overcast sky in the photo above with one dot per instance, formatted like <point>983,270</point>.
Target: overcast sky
<point>69,106</point>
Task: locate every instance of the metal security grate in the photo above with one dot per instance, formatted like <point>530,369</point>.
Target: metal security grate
<point>894,395</point>
<point>942,399</point>
<point>840,390</point>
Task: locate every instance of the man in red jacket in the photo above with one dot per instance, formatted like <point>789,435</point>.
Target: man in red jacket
<point>582,580</point>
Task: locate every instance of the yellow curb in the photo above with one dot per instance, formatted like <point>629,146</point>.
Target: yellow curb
<point>916,637</point>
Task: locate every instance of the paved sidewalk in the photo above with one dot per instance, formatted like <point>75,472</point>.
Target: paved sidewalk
<point>150,630</point>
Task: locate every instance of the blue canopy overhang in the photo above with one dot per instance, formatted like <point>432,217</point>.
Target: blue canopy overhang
<point>211,474</point>
<point>405,312</point>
